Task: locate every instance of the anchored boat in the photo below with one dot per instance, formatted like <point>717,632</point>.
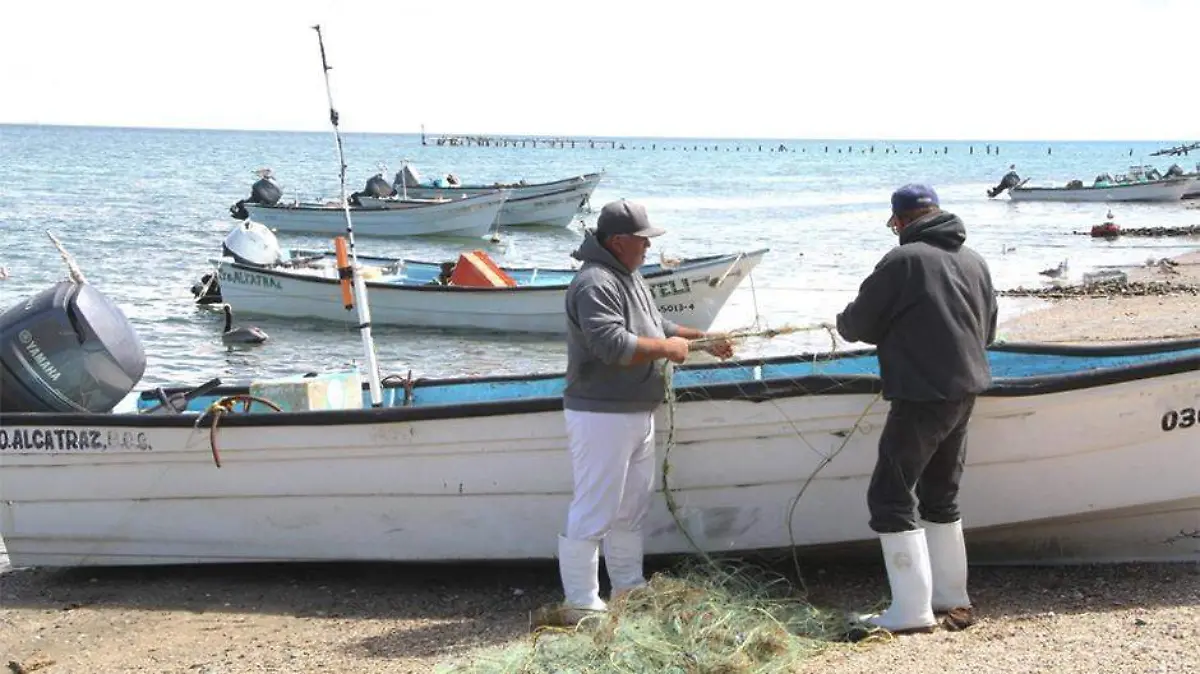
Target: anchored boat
<point>256,277</point>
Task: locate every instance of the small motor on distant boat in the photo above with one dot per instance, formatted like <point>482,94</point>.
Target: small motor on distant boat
<point>1010,180</point>
<point>265,191</point>
<point>407,176</point>
<point>67,349</point>
<point>377,187</point>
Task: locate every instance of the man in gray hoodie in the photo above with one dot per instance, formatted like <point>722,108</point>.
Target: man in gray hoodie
<point>930,308</point>
<point>616,338</point>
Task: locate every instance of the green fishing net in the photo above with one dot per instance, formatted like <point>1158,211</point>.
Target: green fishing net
<point>709,618</point>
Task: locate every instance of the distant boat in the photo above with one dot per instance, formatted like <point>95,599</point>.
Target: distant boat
<point>1165,190</point>
<point>468,216</point>
<point>521,208</point>
<point>548,209</point>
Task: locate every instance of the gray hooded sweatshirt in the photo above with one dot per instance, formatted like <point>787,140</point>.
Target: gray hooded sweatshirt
<point>608,308</point>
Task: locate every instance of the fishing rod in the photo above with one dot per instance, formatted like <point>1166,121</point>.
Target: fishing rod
<point>360,286</point>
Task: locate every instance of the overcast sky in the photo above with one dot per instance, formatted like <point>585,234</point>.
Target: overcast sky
<point>921,69</point>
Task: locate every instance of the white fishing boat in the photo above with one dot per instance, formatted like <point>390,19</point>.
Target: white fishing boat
<point>468,216</point>
<point>408,181</point>
<point>546,209</point>
<point>305,284</point>
<point>1078,454</point>
<point>1165,190</point>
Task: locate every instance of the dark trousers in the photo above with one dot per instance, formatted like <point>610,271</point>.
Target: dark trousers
<point>921,455</point>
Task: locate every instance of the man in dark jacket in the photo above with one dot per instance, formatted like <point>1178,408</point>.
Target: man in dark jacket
<point>616,340</point>
<point>930,308</point>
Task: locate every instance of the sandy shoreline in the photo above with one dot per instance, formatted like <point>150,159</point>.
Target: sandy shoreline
<point>390,618</point>
<point>1119,318</point>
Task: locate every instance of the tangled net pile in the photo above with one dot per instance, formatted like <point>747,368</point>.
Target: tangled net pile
<point>715,617</point>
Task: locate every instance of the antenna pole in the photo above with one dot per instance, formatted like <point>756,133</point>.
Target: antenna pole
<point>360,286</point>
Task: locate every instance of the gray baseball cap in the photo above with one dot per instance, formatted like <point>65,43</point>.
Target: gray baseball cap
<point>624,217</point>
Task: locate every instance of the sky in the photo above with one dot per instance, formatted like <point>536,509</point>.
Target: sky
<point>859,69</point>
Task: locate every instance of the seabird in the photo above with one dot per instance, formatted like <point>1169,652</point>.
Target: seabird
<point>240,335</point>
<point>1055,272</point>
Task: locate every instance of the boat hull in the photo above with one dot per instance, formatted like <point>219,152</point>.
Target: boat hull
<point>692,294</point>
<point>467,217</point>
<point>1097,467</point>
<point>1156,191</point>
<point>551,209</point>
<point>1193,192</point>
<point>587,183</point>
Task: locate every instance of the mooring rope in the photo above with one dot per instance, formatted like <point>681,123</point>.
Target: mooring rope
<point>224,406</point>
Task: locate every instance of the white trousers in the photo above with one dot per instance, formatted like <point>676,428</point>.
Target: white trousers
<point>612,461</point>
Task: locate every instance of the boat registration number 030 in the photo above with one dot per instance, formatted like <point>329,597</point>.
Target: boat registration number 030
<point>1183,418</point>
<point>70,440</point>
<point>676,308</point>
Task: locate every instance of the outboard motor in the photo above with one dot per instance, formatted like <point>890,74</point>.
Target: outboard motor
<point>1010,180</point>
<point>67,349</point>
<point>377,187</point>
<point>208,289</point>
<point>252,243</point>
<point>407,176</point>
<point>264,191</point>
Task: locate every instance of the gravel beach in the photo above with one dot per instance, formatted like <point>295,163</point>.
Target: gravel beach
<point>390,618</point>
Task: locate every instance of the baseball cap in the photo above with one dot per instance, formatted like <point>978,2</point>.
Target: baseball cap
<point>624,217</point>
<point>913,196</point>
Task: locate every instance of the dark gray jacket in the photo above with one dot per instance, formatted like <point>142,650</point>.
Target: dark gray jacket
<point>930,308</point>
<point>608,308</point>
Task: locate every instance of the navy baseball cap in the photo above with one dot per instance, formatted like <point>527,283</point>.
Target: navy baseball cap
<point>624,217</point>
<point>913,196</point>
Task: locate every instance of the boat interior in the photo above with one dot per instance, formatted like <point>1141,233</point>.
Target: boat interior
<point>1018,369</point>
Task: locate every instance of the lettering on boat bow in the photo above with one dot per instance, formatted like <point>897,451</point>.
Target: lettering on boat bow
<point>70,440</point>
<point>672,288</point>
<point>1181,418</point>
<point>245,278</point>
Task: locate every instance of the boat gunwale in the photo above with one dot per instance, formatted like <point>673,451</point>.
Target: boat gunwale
<point>756,391</point>
<point>581,179</point>
<point>471,199</point>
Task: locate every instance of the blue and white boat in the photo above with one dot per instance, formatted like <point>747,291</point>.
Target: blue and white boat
<point>1077,454</point>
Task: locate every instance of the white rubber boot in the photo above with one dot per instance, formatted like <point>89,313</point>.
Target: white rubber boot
<point>579,569</point>
<point>623,558</point>
<point>907,559</point>
<point>948,562</point>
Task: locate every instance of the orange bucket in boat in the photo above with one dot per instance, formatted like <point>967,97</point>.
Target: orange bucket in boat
<point>476,270</point>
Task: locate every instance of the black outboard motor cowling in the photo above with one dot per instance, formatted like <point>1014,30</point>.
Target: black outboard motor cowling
<point>377,187</point>
<point>67,349</point>
<point>1010,180</point>
<point>264,191</point>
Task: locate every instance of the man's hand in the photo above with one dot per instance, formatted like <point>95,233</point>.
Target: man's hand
<point>718,345</point>
<point>676,349</point>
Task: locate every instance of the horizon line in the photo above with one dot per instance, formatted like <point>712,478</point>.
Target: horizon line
<point>586,137</point>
